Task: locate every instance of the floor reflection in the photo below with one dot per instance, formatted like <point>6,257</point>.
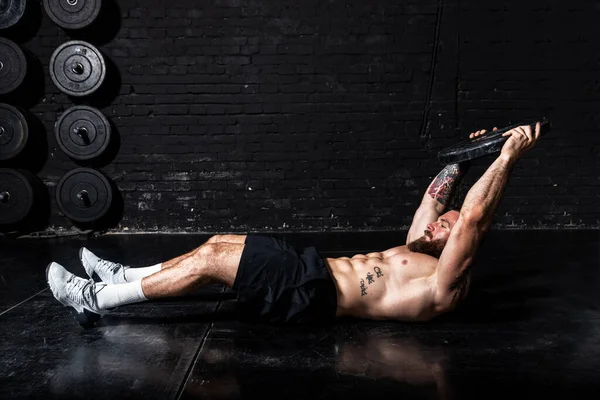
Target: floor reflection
<point>341,361</point>
<point>403,359</point>
<point>152,358</point>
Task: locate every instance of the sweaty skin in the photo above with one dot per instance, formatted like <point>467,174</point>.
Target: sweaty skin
<point>392,284</point>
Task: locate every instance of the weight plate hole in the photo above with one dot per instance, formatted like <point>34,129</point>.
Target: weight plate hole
<point>82,132</point>
<point>4,197</point>
<point>77,68</point>
<point>84,197</point>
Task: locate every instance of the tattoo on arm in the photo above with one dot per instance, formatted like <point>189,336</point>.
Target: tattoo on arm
<point>460,283</point>
<point>442,186</point>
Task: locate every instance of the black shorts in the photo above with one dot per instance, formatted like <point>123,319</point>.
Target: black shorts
<point>276,283</point>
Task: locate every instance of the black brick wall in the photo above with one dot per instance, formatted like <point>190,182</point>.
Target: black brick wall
<point>321,115</point>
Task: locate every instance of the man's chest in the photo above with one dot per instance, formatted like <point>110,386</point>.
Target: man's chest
<point>407,266</point>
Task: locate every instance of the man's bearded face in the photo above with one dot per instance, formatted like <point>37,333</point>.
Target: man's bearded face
<point>436,235</point>
<point>432,248</point>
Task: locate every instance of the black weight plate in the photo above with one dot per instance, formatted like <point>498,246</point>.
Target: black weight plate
<point>72,14</point>
<point>11,11</point>
<point>16,196</point>
<point>14,132</point>
<point>13,66</point>
<point>84,195</point>
<point>82,132</point>
<point>77,68</point>
<point>487,144</point>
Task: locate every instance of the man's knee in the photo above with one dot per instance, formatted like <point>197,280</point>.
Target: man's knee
<point>208,250</point>
<point>204,257</point>
<point>216,239</point>
<point>236,239</point>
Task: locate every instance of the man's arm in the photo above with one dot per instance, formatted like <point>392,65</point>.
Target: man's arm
<point>477,213</point>
<point>435,199</point>
<point>438,195</point>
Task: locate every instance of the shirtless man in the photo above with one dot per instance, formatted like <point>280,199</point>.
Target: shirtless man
<point>278,283</point>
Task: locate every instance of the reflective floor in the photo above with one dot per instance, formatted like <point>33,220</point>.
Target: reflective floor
<point>531,327</point>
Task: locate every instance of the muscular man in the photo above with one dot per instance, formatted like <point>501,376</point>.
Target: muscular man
<point>275,282</point>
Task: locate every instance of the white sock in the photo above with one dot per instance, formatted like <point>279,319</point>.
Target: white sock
<point>137,274</point>
<point>110,296</point>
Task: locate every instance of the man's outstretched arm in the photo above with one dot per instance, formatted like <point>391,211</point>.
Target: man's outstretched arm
<point>477,213</point>
<point>438,195</point>
<point>435,199</point>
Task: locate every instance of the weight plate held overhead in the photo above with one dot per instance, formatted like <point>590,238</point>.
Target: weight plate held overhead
<point>14,132</point>
<point>73,14</point>
<point>491,142</point>
<point>11,11</point>
<point>13,66</point>
<point>84,195</point>
<point>82,132</point>
<point>77,68</point>
<point>16,196</point>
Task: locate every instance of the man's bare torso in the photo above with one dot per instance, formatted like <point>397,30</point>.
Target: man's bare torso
<point>393,284</point>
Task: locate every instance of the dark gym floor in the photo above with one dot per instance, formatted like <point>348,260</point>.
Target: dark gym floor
<point>531,326</point>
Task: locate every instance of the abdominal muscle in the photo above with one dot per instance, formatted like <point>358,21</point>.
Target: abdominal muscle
<point>394,284</point>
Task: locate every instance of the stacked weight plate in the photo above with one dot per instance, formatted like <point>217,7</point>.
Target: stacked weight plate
<point>77,68</point>
<point>83,133</point>
<point>21,192</point>
<point>21,198</point>
<point>11,12</point>
<point>14,132</point>
<point>16,196</point>
<point>73,14</point>
<point>13,66</point>
<point>84,195</point>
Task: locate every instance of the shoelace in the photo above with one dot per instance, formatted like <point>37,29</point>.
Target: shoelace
<point>111,266</point>
<point>81,291</point>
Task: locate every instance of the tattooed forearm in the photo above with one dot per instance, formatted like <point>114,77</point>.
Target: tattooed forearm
<point>442,186</point>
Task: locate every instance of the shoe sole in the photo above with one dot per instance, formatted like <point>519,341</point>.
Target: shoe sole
<point>86,319</point>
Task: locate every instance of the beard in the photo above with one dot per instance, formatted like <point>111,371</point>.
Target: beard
<point>432,248</point>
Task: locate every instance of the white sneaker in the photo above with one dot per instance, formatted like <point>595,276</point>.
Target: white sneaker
<point>75,292</point>
<point>99,269</point>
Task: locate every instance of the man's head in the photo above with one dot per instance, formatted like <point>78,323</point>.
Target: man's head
<point>435,236</point>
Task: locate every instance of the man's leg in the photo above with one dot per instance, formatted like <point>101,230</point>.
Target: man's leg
<point>112,272</point>
<point>210,263</point>
<point>213,262</point>
<point>233,239</point>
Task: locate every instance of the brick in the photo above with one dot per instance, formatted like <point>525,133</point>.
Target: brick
<point>314,107</point>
